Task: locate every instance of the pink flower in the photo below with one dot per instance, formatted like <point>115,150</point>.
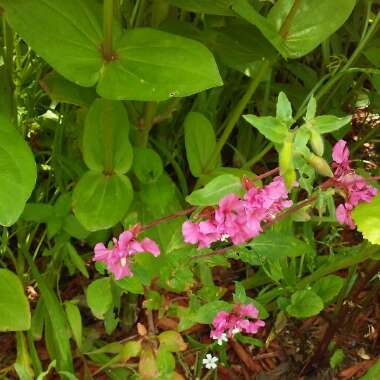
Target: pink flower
<point>240,319</point>
<point>204,233</point>
<point>117,258</point>
<point>354,187</point>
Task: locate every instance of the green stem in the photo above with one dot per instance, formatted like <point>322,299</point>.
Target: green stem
<point>284,30</point>
<point>107,30</point>
<point>366,253</point>
<point>236,113</point>
<point>149,113</point>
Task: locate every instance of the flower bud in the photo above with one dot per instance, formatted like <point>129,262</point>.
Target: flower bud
<point>320,165</point>
<point>316,142</point>
<point>286,156</point>
<point>290,178</point>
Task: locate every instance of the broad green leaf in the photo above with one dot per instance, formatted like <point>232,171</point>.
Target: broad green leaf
<point>215,190</point>
<point>328,287</point>
<point>99,297</point>
<point>75,321</point>
<point>147,165</point>
<point>17,173</point>
<point>337,358</point>
<point>62,90</point>
<point>14,306</point>
<point>148,364</point>
<point>148,64</point>
<point>72,226</point>
<point>154,65</point>
<point>67,34</point>
<point>106,133</point>
<point>273,129</point>
<point>275,245</point>
<point>37,212</point>
<point>100,201</point>
<point>367,219</point>
<point>284,110</point>
<point>165,363</point>
<point>305,304</point>
<point>131,284</point>
<point>306,28</point>
<point>214,7</point>
<point>240,46</point>
<point>373,373</point>
<point>200,142</point>
<point>311,109</point>
<point>329,123</point>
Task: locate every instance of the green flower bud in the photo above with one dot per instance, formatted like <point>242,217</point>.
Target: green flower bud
<point>320,165</point>
<point>286,156</point>
<point>289,178</point>
<point>316,142</point>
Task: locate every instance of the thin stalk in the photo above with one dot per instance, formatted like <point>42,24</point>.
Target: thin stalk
<point>107,30</point>
<point>284,30</point>
<point>149,113</point>
<point>236,113</point>
<point>134,13</point>
<point>258,156</point>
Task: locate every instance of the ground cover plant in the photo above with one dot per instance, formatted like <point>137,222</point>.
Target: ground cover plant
<point>189,189</point>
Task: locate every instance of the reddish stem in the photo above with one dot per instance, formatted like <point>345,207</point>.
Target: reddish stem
<point>167,218</point>
<point>267,174</point>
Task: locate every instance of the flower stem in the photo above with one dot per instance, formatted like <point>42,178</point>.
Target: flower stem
<point>284,30</point>
<point>108,54</point>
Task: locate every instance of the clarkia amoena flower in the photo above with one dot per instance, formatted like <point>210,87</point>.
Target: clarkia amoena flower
<point>353,187</point>
<point>117,259</point>
<point>210,361</point>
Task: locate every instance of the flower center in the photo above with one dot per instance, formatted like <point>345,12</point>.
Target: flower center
<point>123,261</point>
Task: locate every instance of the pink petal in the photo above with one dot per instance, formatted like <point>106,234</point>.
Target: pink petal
<point>124,239</point>
<point>340,152</point>
<point>101,253</point>
<point>150,246</point>
<point>190,232</point>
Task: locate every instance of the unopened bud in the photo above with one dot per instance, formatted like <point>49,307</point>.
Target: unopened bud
<point>316,142</point>
<point>320,165</point>
<point>286,156</point>
<point>290,178</point>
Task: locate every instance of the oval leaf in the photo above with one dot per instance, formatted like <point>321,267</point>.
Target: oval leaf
<point>99,297</point>
<point>200,142</point>
<point>17,173</point>
<point>107,129</point>
<point>147,165</point>
<point>14,306</point>
<point>215,190</point>
<point>305,304</point>
<point>100,201</point>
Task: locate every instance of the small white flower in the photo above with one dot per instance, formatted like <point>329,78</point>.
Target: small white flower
<point>210,361</point>
<point>221,339</point>
<point>235,331</point>
<point>224,237</point>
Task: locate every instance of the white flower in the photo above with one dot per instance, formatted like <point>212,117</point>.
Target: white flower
<point>221,339</point>
<point>210,361</point>
<point>235,331</point>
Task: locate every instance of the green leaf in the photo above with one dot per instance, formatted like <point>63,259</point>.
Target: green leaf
<point>67,34</point>
<point>14,306</point>
<point>337,358</point>
<point>75,321</point>
<point>305,304</point>
<point>206,313</point>
<point>37,212</point>
<point>99,297</point>
<point>305,28</point>
<point>147,165</point>
<point>328,287</point>
<point>17,173</point>
<point>275,245</point>
<point>215,190</point>
<point>273,129</point>
<point>373,373</point>
<point>76,259</point>
<point>284,110</point>
<point>72,226</point>
<point>62,90</point>
<point>214,7</point>
<point>367,219</point>
<point>200,142</point>
<point>148,64</point>
<point>56,319</point>
<point>311,109</point>
<point>100,201</point>
<point>155,66</point>
<point>131,284</point>
<point>172,341</point>
<point>107,131</point>
<point>329,123</point>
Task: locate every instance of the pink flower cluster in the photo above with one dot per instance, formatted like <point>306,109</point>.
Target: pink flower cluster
<point>117,258</point>
<point>354,187</point>
<point>240,319</point>
<point>239,219</point>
